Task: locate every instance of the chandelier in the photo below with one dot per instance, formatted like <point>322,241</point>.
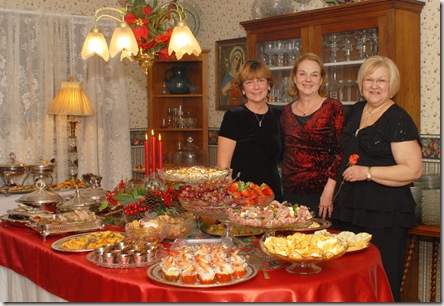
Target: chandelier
<point>146,32</point>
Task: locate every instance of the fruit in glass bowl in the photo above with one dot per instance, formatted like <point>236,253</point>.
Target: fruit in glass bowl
<point>250,194</point>
<point>206,199</point>
<point>146,231</point>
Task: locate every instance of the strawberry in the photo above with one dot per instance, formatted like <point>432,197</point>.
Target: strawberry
<point>232,187</point>
<point>268,192</point>
<point>245,193</point>
<point>259,191</point>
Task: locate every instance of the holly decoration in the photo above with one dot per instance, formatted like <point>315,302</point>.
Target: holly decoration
<point>126,198</point>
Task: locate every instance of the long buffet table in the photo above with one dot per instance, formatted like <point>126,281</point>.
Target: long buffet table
<point>357,277</point>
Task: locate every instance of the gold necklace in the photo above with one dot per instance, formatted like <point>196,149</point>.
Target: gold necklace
<point>305,113</point>
<point>260,121</point>
<point>375,110</point>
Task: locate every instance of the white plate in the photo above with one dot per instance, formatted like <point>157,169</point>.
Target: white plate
<point>194,13</point>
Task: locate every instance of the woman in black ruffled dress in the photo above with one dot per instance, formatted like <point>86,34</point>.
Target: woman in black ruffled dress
<point>376,196</point>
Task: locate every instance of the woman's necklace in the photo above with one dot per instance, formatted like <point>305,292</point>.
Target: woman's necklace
<point>369,114</point>
<point>311,107</point>
<point>260,121</point>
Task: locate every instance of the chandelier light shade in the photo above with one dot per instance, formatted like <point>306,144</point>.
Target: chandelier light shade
<point>122,40</point>
<point>95,43</point>
<point>145,33</point>
<point>72,101</point>
<point>183,41</point>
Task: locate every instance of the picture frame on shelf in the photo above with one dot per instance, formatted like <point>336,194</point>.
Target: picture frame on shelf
<point>137,137</point>
<point>230,56</point>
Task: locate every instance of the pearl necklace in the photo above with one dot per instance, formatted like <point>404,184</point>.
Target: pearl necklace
<point>260,121</point>
<point>375,110</point>
<point>305,113</point>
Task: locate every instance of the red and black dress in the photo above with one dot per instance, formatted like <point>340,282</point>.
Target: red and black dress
<point>311,152</point>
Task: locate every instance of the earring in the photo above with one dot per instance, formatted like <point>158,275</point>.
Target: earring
<point>243,93</point>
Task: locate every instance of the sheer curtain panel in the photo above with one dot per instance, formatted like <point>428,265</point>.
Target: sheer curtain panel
<point>38,51</point>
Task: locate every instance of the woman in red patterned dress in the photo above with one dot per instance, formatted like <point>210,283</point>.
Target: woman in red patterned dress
<point>311,126</point>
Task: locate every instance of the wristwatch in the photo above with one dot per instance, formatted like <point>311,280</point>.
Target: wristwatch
<point>369,174</point>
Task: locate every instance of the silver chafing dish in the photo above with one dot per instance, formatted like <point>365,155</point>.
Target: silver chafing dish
<point>78,202</point>
<point>11,169</point>
<point>40,170</point>
<point>46,200</point>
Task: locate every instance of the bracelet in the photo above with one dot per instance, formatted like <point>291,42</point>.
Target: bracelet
<point>369,174</point>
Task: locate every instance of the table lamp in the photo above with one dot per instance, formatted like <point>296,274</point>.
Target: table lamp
<point>72,101</point>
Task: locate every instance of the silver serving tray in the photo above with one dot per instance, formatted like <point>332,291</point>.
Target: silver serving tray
<point>15,222</point>
<point>155,273</point>
<point>69,227</point>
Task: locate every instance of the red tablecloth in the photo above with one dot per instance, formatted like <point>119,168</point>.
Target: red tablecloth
<point>357,277</point>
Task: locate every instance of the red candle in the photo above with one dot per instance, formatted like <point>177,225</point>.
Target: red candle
<point>160,152</point>
<point>147,156</point>
<point>153,152</point>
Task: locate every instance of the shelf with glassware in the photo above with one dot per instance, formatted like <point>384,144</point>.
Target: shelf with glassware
<point>178,107</point>
<point>343,53</point>
<point>343,36</point>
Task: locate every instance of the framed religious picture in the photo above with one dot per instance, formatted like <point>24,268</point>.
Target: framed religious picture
<point>230,55</point>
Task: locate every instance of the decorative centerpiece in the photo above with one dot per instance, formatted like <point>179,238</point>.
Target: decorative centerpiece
<point>128,202</point>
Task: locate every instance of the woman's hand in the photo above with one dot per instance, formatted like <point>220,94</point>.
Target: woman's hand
<point>355,173</point>
<point>326,201</point>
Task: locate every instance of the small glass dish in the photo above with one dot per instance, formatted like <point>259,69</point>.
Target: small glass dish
<point>146,231</point>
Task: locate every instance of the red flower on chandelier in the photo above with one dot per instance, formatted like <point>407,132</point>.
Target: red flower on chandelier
<point>151,27</point>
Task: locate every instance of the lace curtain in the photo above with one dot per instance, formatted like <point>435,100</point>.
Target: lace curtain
<point>38,51</point>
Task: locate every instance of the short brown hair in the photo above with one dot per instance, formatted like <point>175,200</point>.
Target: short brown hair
<point>253,69</point>
<point>293,91</point>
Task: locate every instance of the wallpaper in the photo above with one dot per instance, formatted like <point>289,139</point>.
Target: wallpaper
<point>220,21</point>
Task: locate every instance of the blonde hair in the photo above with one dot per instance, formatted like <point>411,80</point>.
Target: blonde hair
<point>253,69</point>
<point>377,61</point>
<point>293,90</point>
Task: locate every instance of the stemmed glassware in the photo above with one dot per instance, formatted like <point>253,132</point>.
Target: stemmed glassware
<point>334,47</point>
<point>362,45</point>
<point>373,40</point>
<point>347,47</point>
<point>269,51</point>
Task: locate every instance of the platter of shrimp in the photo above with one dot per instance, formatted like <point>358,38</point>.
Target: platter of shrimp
<point>202,265</point>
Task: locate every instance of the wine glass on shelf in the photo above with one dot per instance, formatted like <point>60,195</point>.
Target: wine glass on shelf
<point>349,85</point>
<point>362,44</point>
<point>334,47</point>
<point>341,90</point>
<point>347,47</point>
<point>269,51</point>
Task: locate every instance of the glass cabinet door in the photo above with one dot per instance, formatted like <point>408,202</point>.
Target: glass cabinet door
<point>343,53</point>
<point>279,55</point>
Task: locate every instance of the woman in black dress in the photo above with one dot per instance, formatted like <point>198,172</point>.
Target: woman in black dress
<point>249,139</point>
<point>375,196</point>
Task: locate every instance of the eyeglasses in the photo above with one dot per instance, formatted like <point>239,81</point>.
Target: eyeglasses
<point>380,82</point>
